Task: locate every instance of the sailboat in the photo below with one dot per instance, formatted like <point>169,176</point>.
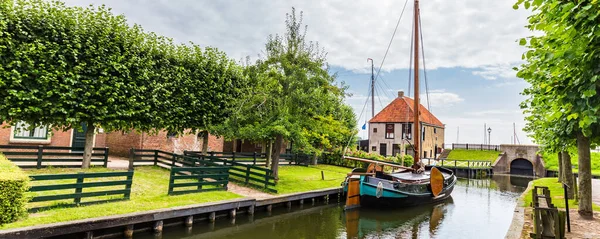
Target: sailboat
<point>410,186</point>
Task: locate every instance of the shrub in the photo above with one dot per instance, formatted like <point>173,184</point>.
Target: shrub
<point>14,184</point>
<point>408,160</point>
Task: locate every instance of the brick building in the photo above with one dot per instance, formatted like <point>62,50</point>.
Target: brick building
<point>390,131</point>
<point>11,135</point>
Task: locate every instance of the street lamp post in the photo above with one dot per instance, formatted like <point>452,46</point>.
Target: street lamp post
<point>489,134</point>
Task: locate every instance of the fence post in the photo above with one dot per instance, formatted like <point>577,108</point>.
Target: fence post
<point>443,162</point>
<point>455,164</point>
<point>39,156</point>
<point>233,156</point>
<point>79,187</point>
<point>200,178</point>
<point>467,146</point>
<point>106,157</point>
<point>131,158</point>
<point>155,157</point>
<point>174,158</point>
<point>453,146</point>
<point>128,185</point>
<point>247,174</point>
<point>254,162</point>
<point>267,180</point>
<point>171,181</point>
<point>212,154</point>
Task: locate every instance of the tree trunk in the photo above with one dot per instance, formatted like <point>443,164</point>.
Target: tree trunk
<point>561,170</point>
<point>269,153</point>
<point>276,153</point>
<point>568,175</point>
<point>585,176</point>
<point>89,146</point>
<point>234,143</point>
<point>204,142</point>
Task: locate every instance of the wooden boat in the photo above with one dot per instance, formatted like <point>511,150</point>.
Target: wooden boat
<point>411,185</point>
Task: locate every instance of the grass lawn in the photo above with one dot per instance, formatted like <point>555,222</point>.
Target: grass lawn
<point>483,155</point>
<point>293,179</point>
<point>551,162</point>
<point>148,192</point>
<point>557,193</point>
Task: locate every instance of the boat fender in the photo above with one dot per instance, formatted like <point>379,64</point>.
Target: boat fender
<point>379,192</point>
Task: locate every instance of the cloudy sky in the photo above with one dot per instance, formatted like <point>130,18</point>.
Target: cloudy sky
<point>470,48</point>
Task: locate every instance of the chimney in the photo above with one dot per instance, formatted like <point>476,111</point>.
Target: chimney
<point>400,94</point>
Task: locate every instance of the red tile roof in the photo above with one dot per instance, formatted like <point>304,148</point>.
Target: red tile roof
<point>400,110</point>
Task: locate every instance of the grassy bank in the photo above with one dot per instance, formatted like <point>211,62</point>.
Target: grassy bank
<point>556,192</point>
<point>551,162</point>
<point>148,192</point>
<point>293,179</point>
<point>463,154</point>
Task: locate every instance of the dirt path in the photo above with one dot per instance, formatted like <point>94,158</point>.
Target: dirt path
<point>247,192</point>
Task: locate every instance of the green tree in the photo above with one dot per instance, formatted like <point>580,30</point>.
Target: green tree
<point>64,66</point>
<point>562,69</point>
<point>292,97</point>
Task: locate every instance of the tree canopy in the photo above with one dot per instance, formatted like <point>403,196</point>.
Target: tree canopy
<point>63,66</point>
<point>562,67</point>
<point>292,97</point>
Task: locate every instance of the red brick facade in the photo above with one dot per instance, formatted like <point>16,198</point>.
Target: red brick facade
<point>120,143</point>
<point>56,138</point>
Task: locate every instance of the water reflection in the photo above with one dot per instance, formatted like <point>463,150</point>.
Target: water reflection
<point>480,208</point>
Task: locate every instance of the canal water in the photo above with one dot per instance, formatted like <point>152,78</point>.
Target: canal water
<point>479,208</point>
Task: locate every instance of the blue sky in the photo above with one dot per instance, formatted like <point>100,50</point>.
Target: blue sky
<point>470,48</point>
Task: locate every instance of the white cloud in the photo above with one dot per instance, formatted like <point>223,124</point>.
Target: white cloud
<point>456,33</point>
<point>493,72</point>
<point>441,98</point>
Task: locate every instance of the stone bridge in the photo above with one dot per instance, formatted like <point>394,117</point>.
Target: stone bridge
<point>519,159</point>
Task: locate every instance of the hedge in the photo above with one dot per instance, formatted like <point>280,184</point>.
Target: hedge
<point>13,185</point>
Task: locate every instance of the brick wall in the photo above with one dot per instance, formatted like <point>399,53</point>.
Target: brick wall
<point>120,143</point>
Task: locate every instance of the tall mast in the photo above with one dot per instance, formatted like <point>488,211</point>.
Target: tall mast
<point>416,121</point>
<point>372,90</point>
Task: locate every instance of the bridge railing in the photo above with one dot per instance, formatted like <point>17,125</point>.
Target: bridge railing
<point>477,146</point>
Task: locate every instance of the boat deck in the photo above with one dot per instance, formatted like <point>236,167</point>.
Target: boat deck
<point>415,176</point>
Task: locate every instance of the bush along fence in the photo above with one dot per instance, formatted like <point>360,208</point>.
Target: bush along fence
<point>45,156</point>
<point>50,190</point>
<point>198,179</point>
<point>476,146</point>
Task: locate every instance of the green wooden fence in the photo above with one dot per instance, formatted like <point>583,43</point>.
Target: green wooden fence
<point>34,156</point>
<point>44,190</point>
<point>166,159</point>
<point>198,179</point>
<point>248,174</point>
<point>254,158</point>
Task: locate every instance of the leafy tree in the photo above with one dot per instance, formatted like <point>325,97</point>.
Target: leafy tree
<point>292,97</point>
<point>64,66</point>
<point>562,68</point>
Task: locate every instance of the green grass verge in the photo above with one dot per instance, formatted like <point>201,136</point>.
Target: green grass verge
<point>463,154</point>
<point>556,191</point>
<point>148,192</point>
<point>551,162</point>
<point>293,179</point>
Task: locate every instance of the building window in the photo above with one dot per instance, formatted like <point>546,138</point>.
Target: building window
<point>389,131</point>
<point>407,131</point>
<point>435,130</point>
<point>374,130</point>
<point>22,131</point>
<point>423,130</point>
<point>374,148</point>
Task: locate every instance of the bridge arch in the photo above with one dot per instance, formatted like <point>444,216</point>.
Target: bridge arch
<point>521,166</point>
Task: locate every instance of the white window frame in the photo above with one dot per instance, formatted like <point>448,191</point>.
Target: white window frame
<point>28,140</point>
